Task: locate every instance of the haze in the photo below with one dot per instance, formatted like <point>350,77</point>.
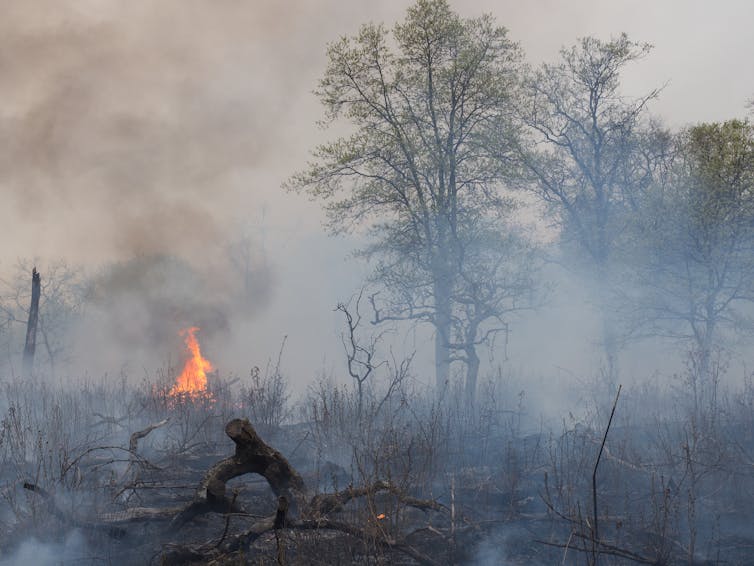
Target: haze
<point>140,128</point>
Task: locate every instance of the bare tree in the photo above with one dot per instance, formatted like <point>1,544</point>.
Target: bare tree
<point>498,279</point>
<point>360,356</point>
<point>592,154</point>
<point>31,327</point>
<point>61,301</point>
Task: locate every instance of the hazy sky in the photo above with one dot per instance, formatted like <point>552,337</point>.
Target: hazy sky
<point>132,128</point>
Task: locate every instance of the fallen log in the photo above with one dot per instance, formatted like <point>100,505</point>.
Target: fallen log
<point>252,455</point>
<point>297,509</point>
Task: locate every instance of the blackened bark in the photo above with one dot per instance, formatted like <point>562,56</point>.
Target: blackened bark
<point>252,455</point>
<point>31,327</point>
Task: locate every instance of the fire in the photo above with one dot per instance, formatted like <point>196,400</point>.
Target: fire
<point>193,379</point>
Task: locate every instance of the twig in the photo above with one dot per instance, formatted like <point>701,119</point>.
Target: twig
<point>133,443</point>
<point>596,537</point>
<point>605,548</point>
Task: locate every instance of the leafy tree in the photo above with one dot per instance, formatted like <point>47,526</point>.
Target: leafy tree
<point>592,155</point>
<point>696,265</point>
<point>420,168</point>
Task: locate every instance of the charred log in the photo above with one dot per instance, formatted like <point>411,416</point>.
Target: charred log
<point>252,455</point>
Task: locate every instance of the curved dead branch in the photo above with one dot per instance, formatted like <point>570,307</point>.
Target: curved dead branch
<point>252,455</point>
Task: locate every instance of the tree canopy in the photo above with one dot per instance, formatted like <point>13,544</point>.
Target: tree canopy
<point>695,239</point>
<point>432,110</point>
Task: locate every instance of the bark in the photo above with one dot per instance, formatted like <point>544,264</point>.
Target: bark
<point>252,455</point>
<point>31,327</point>
<point>442,334</point>
<point>472,374</point>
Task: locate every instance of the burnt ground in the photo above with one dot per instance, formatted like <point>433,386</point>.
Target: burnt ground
<point>440,486</point>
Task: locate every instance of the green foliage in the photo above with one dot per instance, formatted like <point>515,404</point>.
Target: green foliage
<point>597,152</point>
<point>719,171</point>
<point>694,239</point>
<point>431,108</point>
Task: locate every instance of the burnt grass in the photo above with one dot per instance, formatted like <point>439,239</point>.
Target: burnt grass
<point>674,485</point>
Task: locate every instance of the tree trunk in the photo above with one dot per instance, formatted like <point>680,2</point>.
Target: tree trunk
<point>610,346</point>
<point>705,345</point>
<point>472,375</point>
<point>31,327</point>
<point>442,334</point>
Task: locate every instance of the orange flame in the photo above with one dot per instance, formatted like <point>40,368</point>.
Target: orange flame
<point>193,378</point>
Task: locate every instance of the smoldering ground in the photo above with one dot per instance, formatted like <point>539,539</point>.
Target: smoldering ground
<point>148,143</point>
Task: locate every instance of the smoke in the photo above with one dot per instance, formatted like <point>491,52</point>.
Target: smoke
<point>121,131</point>
<point>136,307</point>
<point>156,130</point>
<point>71,550</point>
<point>152,128</point>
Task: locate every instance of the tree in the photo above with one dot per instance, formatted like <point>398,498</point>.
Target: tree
<point>696,265</point>
<point>419,170</point>
<point>591,154</point>
<point>497,279</point>
<point>61,305</point>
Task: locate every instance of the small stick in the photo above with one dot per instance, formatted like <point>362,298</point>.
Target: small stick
<point>133,443</point>
<point>596,537</point>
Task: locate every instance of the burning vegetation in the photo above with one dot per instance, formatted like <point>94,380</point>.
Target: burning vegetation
<point>192,381</point>
<point>458,464</point>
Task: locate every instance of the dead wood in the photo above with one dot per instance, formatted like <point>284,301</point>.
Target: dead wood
<point>139,514</point>
<point>252,455</point>
<point>133,443</point>
<point>281,515</point>
<point>325,503</point>
<point>297,509</point>
<point>31,327</point>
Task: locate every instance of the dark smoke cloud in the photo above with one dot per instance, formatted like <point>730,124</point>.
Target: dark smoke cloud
<point>128,124</point>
